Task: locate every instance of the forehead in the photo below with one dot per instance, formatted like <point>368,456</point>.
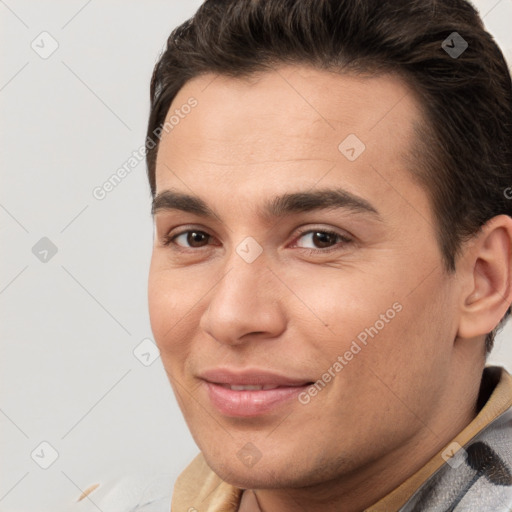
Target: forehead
<point>275,129</point>
<point>293,101</point>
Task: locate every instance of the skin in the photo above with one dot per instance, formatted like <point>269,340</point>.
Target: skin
<point>406,394</point>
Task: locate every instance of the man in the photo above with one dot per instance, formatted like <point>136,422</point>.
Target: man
<point>331,217</point>
<point>332,254</point>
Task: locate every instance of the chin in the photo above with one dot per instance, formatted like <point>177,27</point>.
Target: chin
<point>251,479</point>
<point>260,476</point>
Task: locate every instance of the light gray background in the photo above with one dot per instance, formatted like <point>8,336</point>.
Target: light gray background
<point>69,326</point>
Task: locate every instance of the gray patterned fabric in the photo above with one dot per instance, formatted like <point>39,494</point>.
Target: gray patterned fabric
<point>476,479</point>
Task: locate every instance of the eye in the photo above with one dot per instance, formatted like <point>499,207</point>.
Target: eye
<point>193,237</point>
<point>325,240</point>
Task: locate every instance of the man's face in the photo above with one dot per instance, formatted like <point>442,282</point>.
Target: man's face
<point>247,291</point>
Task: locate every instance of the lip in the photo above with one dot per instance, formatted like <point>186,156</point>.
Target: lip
<point>247,403</point>
<point>248,377</point>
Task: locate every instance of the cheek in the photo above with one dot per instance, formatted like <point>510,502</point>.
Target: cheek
<point>168,332</point>
<point>412,353</point>
<point>166,307</point>
<point>392,330</point>
<point>159,305</point>
<point>344,304</point>
<point>175,301</point>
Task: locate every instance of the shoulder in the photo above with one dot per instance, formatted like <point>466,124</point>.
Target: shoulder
<point>127,493</point>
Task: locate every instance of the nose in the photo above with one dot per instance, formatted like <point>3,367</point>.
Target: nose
<point>246,303</point>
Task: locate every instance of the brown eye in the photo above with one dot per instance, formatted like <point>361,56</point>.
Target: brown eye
<point>196,238</point>
<point>322,239</point>
<point>189,239</point>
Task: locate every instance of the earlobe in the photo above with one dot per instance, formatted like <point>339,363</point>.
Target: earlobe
<point>486,268</point>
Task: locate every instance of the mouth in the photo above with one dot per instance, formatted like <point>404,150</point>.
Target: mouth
<point>249,401</point>
<point>250,393</point>
<point>264,387</point>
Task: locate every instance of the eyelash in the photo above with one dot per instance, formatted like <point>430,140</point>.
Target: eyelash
<point>169,239</point>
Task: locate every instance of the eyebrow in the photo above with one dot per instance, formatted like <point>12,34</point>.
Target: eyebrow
<point>276,207</point>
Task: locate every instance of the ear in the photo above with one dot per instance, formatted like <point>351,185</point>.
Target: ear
<point>485,273</point>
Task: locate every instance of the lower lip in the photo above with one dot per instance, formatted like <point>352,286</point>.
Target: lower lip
<point>250,403</point>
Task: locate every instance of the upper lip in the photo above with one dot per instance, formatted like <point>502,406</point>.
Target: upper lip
<point>249,377</point>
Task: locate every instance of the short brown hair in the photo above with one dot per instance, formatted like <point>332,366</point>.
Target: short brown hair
<point>463,151</point>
